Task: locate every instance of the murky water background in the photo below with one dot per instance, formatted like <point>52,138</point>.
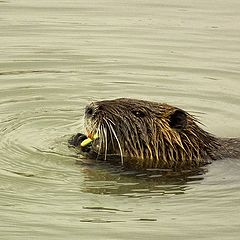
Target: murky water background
<point>57,56</point>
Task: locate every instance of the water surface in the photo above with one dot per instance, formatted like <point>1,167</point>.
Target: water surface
<point>57,56</point>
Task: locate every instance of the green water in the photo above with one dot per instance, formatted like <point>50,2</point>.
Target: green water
<point>57,56</point>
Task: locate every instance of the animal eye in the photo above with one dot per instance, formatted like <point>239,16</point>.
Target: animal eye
<point>138,113</point>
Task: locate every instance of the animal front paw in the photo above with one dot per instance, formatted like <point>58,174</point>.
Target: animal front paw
<point>77,139</point>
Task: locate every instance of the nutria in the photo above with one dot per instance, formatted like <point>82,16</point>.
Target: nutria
<point>143,134</point>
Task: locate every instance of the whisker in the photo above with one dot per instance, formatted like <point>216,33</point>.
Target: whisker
<point>110,131</point>
<point>100,142</point>
<point>106,143</point>
<point>106,118</point>
<point>119,145</point>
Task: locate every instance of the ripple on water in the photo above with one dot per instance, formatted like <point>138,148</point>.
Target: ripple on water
<point>185,53</point>
<point>32,142</point>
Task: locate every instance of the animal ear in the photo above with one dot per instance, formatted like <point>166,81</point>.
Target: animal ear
<point>178,119</point>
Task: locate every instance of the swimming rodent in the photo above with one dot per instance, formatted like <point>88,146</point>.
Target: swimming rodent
<point>144,135</point>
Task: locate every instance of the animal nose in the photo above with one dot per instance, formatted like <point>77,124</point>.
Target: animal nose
<point>89,111</point>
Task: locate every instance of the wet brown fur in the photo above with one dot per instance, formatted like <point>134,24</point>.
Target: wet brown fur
<point>146,134</point>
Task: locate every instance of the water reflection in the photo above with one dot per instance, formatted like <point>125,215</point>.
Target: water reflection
<point>102,178</point>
